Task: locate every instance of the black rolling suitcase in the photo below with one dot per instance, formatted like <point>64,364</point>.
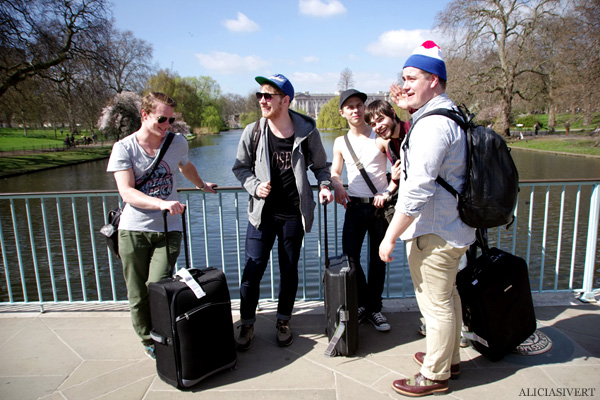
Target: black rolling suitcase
<point>193,336</point>
<point>496,301</point>
<point>341,302</point>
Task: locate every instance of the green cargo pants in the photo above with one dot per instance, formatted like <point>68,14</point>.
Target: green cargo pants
<point>144,258</point>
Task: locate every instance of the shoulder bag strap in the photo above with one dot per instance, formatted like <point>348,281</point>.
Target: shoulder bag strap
<point>254,139</point>
<point>456,116</point>
<point>360,166</point>
<point>161,154</point>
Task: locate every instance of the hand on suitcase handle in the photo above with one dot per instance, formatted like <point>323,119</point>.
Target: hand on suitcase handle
<point>174,207</point>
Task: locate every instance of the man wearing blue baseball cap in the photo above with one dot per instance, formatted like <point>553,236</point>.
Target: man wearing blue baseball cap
<point>272,159</point>
<point>427,219</point>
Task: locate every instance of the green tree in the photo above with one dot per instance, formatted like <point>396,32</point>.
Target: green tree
<point>211,118</point>
<point>329,116</point>
<point>207,92</point>
<point>197,97</point>
<point>247,118</point>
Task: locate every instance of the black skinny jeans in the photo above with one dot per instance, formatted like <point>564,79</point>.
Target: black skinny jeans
<point>360,218</point>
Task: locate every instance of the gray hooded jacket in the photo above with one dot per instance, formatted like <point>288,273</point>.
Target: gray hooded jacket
<point>304,130</point>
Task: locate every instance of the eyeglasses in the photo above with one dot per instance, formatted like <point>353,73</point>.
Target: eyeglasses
<point>162,120</point>
<point>267,96</point>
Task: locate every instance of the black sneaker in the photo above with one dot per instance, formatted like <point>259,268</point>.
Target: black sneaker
<point>284,333</point>
<point>379,321</point>
<point>362,313</point>
<point>244,338</point>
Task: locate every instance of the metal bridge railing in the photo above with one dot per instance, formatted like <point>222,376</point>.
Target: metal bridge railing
<point>52,251</point>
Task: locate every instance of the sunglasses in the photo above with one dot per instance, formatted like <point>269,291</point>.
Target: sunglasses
<point>267,96</point>
<point>162,120</point>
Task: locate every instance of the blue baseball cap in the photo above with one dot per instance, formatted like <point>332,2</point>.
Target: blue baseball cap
<point>279,81</point>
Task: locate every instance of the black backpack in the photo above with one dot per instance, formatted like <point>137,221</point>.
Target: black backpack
<point>489,196</point>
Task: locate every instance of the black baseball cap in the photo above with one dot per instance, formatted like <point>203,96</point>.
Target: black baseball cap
<point>350,93</point>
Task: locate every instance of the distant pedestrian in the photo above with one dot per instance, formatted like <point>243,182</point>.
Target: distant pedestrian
<point>567,127</point>
<point>536,128</point>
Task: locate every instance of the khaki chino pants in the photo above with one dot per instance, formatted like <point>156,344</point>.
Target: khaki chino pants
<point>433,267</point>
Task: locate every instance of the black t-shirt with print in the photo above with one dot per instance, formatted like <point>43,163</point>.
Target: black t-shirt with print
<point>283,202</point>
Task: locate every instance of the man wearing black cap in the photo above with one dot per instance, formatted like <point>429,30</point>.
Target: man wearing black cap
<point>361,202</point>
<point>271,164</point>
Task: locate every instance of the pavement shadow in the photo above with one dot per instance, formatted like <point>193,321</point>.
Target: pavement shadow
<point>264,357</point>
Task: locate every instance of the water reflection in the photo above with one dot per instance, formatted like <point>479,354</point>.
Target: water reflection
<point>214,156</point>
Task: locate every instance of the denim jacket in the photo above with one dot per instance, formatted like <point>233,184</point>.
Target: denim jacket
<point>304,130</point>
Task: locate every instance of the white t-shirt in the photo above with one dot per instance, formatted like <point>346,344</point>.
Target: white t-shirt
<point>126,154</point>
<point>374,163</point>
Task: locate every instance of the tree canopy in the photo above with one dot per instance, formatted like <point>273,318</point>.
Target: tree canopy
<point>329,116</point>
<point>37,35</point>
<point>507,53</point>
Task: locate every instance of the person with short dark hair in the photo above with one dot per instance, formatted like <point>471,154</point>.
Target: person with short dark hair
<point>271,164</point>
<point>362,204</point>
<point>142,242</point>
<point>382,118</point>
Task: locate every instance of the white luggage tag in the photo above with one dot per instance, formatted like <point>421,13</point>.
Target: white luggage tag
<point>473,336</point>
<point>189,280</point>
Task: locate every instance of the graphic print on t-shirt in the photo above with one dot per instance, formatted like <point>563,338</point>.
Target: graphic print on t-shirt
<point>283,201</point>
<point>160,184</point>
<point>282,160</point>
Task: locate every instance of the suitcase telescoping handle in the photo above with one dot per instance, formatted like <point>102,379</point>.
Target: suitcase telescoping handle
<point>325,230</point>
<point>185,237</point>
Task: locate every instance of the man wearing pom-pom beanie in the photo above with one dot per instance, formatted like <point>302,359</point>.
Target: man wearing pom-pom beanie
<point>427,220</point>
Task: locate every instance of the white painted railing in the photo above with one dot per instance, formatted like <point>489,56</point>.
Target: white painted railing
<point>52,251</point>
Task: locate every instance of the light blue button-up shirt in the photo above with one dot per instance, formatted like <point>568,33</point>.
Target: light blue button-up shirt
<point>437,146</point>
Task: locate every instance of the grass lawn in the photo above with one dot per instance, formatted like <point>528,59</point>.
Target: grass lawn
<point>18,164</point>
<point>574,145</point>
<point>14,139</point>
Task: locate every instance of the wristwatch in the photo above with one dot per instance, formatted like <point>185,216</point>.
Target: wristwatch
<point>325,185</point>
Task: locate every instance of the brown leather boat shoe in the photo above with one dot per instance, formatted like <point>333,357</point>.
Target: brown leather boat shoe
<point>418,385</point>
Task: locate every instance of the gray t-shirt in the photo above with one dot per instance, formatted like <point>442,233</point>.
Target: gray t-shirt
<point>127,153</point>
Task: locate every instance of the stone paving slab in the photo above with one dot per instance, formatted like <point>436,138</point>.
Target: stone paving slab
<point>63,354</point>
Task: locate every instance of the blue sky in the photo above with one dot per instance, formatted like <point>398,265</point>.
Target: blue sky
<point>309,41</point>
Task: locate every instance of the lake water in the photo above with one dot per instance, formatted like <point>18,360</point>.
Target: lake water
<point>214,157</point>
